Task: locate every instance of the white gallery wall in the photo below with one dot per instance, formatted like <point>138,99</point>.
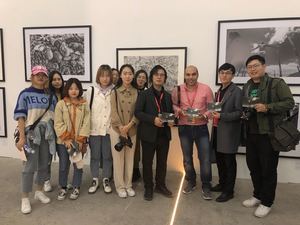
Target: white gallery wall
<point>135,23</point>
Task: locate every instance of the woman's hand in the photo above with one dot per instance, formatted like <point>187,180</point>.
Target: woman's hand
<point>68,143</point>
<point>21,143</point>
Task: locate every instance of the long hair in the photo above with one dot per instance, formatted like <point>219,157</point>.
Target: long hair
<point>53,89</point>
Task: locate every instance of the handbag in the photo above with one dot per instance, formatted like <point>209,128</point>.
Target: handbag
<point>284,136</point>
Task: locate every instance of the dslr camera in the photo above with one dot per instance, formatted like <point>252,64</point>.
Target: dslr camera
<point>123,142</point>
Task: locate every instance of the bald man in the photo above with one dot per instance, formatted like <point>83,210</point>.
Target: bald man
<point>193,96</point>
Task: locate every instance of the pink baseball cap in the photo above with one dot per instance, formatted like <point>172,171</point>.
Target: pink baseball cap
<point>39,69</point>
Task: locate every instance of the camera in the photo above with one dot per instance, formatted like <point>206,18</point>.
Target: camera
<point>123,142</point>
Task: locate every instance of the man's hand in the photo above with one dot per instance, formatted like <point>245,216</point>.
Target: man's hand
<point>158,122</point>
<point>216,115</point>
<point>261,107</point>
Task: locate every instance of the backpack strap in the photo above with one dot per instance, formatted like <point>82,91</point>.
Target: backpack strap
<point>92,97</point>
<point>269,100</point>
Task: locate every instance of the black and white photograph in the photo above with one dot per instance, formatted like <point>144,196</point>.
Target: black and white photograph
<point>3,124</point>
<point>65,49</point>
<point>2,72</point>
<point>173,59</point>
<point>278,40</point>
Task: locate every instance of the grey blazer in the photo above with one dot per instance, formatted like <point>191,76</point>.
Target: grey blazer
<point>229,126</point>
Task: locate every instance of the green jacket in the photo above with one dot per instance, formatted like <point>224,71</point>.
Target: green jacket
<point>282,101</point>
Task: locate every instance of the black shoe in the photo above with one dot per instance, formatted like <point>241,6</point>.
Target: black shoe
<point>224,197</point>
<point>148,194</point>
<point>164,191</point>
<point>136,175</point>
<point>217,188</point>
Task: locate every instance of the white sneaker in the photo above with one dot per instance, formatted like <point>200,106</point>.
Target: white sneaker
<point>262,211</point>
<point>130,192</point>
<point>122,193</point>
<point>251,202</point>
<point>39,195</point>
<point>25,206</point>
<point>47,186</point>
<point>94,186</point>
<point>106,186</point>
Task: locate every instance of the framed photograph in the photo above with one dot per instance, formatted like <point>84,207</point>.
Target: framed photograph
<point>3,124</point>
<point>276,39</point>
<point>2,74</point>
<point>295,118</point>
<point>65,49</point>
<point>173,59</point>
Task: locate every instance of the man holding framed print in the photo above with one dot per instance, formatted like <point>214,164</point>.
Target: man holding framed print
<point>155,113</point>
<point>261,158</point>
<point>226,131</point>
<point>190,102</point>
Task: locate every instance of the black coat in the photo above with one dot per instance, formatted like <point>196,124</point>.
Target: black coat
<point>146,110</point>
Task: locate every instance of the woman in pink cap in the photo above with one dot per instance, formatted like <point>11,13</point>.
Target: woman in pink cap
<point>34,112</point>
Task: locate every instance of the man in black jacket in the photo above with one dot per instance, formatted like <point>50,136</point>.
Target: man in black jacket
<point>154,133</point>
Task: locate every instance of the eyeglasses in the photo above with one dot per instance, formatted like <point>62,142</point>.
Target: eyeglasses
<point>255,66</point>
<point>225,72</point>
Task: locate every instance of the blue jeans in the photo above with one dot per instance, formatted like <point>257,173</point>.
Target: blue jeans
<point>199,134</point>
<point>101,146</point>
<point>64,167</point>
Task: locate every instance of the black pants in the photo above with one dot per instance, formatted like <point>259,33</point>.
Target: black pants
<point>226,164</point>
<point>161,147</point>
<point>262,162</point>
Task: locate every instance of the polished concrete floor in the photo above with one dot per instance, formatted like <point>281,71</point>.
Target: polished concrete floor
<point>103,209</point>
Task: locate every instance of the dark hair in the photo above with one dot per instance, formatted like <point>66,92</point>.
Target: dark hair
<point>102,69</point>
<point>69,84</point>
<point>114,69</point>
<point>120,82</point>
<point>155,70</point>
<point>136,76</point>
<point>256,57</point>
<point>227,66</point>
<point>53,89</point>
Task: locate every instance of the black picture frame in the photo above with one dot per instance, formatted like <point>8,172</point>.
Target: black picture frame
<point>3,121</point>
<point>277,39</point>
<point>173,59</point>
<point>67,49</point>
<point>2,70</point>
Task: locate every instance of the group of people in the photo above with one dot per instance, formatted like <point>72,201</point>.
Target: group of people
<point>121,118</point>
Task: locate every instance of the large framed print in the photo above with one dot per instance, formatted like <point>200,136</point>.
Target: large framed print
<point>2,71</point>
<point>3,123</point>
<point>276,39</point>
<point>173,59</point>
<point>66,49</point>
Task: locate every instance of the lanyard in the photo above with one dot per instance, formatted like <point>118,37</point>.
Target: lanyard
<point>194,97</point>
<point>158,104</point>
